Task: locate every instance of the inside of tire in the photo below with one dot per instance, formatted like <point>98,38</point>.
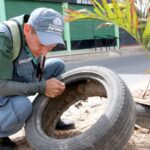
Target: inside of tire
<point>74,92</point>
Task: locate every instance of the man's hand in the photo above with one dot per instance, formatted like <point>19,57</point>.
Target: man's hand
<point>54,87</point>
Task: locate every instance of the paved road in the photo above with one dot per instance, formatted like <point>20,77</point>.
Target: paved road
<point>133,69</point>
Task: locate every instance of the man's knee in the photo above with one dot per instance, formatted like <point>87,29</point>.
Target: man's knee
<point>14,114</point>
<point>54,67</point>
<point>55,62</point>
<point>59,63</point>
<point>22,107</point>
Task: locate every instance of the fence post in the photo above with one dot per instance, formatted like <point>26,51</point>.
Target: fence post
<point>117,35</point>
<point>2,11</point>
<point>67,30</point>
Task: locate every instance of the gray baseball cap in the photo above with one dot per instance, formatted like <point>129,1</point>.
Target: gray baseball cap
<point>48,24</point>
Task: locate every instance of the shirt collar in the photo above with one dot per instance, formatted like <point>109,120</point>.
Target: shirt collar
<point>34,59</point>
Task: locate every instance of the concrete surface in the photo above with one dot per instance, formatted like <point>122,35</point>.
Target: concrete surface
<point>92,53</point>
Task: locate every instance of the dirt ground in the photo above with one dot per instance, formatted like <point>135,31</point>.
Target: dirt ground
<point>91,109</point>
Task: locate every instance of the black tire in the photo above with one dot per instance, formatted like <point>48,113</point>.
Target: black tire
<point>112,130</point>
<point>143,115</point>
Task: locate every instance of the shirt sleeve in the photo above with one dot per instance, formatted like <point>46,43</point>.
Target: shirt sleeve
<point>6,64</point>
<point>10,88</point>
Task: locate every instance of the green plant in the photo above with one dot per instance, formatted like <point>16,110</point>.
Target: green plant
<point>131,15</point>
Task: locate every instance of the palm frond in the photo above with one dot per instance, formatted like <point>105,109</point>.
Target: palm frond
<point>131,15</point>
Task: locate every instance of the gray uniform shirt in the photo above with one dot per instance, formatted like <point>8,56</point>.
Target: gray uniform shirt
<point>23,80</point>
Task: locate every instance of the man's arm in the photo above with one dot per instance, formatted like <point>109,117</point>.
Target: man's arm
<point>9,88</point>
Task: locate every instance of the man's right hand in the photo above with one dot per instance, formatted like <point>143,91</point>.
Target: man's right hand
<point>54,87</point>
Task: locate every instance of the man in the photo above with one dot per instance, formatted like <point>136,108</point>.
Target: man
<point>20,78</point>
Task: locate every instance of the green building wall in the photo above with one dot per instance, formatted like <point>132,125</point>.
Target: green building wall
<point>87,29</point>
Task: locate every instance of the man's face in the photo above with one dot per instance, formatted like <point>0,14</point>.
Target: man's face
<point>34,44</point>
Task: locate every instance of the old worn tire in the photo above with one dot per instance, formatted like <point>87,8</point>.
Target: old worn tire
<point>112,130</point>
<point>143,115</point>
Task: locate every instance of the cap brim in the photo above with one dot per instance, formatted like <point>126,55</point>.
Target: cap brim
<point>49,38</point>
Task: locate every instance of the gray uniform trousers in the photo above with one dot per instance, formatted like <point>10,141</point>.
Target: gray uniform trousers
<point>15,110</point>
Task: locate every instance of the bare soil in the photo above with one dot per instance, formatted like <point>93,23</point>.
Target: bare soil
<point>91,109</point>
